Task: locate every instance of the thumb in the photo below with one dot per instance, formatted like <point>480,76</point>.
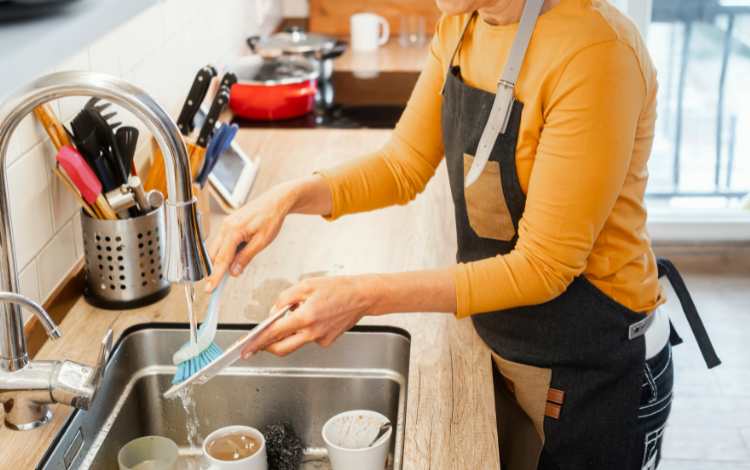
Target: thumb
<point>294,295</point>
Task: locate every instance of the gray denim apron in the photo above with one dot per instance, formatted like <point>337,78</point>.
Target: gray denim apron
<point>573,366</point>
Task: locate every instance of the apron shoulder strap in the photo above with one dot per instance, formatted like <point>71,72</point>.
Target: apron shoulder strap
<point>666,268</point>
<point>497,122</point>
<point>456,49</point>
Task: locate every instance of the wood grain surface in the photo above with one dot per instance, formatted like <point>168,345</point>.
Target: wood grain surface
<point>332,16</point>
<point>450,420</point>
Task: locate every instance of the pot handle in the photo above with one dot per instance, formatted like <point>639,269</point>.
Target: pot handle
<point>336,50</point>
<point>252,41</point>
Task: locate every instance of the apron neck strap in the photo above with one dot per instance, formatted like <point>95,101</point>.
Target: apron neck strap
<point>531,11</point>
<point>460,40</point>
<point>455,50</point>
<point>497,122</point>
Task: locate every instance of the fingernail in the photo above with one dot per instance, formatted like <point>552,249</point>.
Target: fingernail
<point>208,287</point>
<point>236,270</point>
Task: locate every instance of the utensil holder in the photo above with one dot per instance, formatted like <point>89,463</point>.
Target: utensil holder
<point>124,260</point>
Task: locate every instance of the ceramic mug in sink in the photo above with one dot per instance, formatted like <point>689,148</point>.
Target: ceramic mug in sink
<point>222,449</point>
<point>353,443</point>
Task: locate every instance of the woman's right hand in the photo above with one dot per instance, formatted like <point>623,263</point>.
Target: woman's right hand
<point>258,222</point>
<point>256,225</point>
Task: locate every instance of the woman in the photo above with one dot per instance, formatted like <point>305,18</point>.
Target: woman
<point>547,168</point>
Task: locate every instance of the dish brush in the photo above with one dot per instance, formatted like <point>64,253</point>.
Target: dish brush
<point>193,356</point>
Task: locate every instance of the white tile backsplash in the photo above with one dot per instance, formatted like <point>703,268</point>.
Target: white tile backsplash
<point>69,107</point>
<point>30,210</point>
<point>28,134</point>
<point>28,282</point>
<point>104,55</point>
<point>159,50</point>
<point>28,285</point>
<point>56,259</point>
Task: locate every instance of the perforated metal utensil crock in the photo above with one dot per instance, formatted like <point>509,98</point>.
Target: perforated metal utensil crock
<point>124,260</point>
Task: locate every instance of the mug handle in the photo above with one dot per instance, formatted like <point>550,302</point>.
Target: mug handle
<point>385,32</point>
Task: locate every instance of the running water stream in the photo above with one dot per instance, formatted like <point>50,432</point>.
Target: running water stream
<point>185,395</point>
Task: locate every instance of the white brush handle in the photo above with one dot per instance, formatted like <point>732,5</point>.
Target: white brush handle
<point>207,330</point>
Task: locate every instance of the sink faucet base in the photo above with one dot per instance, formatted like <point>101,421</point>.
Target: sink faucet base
<point>26,416</point>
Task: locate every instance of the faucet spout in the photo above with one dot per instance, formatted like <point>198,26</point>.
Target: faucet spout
<point>47,322</point>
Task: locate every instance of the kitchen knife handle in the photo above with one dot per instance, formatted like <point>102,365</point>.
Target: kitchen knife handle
<point>220,101</point>
<point>194,99</point>
<point>229,79</point>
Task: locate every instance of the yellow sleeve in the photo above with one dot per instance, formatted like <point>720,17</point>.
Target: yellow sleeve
<point>400,170</point>
<point>582,159</point>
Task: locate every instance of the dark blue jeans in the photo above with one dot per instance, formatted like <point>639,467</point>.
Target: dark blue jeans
<point>656,402</point>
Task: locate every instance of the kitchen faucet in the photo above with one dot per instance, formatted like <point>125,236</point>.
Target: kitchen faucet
<point>26,387</point>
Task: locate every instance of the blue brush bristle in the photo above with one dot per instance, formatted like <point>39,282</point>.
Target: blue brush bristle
<point>186,369</point>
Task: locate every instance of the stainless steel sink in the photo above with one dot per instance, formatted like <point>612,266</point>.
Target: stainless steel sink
<point>367,368</point>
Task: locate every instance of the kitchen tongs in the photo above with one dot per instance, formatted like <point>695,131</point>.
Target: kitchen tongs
<point>229,357</point>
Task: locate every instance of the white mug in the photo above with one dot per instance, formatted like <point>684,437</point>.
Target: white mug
<point>368,31</point>
<point>348,435</point>
<point>257,461</point>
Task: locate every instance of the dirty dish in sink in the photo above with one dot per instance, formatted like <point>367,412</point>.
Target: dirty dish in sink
<point>148,453</point>
<point>349,439</point>
<point>235,447</point>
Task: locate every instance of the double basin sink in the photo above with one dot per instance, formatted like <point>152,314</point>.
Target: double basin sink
<point>366,368</point>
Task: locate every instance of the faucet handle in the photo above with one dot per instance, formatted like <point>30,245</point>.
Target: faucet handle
<point>77,384</point>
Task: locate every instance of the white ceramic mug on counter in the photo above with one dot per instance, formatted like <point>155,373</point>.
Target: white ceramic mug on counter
<point>256,461</point>
<point>368,31</point>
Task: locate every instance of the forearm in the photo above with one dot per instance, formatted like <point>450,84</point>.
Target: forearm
<point>309,195</point>
<point>416,291</point>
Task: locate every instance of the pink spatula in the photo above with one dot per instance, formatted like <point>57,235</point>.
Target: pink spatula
<point>84,179</point>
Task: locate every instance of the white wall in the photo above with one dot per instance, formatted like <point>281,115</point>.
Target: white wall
<point>159,50</point>
<point>295,8</point>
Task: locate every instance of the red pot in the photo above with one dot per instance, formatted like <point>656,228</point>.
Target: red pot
<point>273,89</point>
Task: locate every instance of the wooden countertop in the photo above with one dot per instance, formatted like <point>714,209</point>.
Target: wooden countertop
<point>450,420</point>
<point>391,57</point>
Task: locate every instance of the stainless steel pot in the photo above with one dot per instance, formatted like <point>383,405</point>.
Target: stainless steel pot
<point>318,48</point>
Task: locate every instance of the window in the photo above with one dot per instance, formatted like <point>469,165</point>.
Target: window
<point>700,164</point>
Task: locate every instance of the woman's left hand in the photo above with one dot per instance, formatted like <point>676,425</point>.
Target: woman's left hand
<point>328,306</point>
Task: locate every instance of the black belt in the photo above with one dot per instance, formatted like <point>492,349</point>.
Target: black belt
<point>666,268</point>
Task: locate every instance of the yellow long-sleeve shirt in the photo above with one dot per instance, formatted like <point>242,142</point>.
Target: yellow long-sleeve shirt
<point>589,93</point>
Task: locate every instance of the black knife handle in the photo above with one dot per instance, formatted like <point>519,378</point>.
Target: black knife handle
<point>220,102</point>
<point>229,79</point>
<point>194,99</point>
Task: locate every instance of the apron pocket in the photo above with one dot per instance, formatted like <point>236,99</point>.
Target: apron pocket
<point>486,208</point>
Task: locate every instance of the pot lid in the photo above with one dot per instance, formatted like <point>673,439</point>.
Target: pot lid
<point>255,69</point>
<point>293,40</point>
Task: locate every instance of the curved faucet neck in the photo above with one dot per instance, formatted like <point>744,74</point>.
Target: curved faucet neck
<point>186,258</point>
